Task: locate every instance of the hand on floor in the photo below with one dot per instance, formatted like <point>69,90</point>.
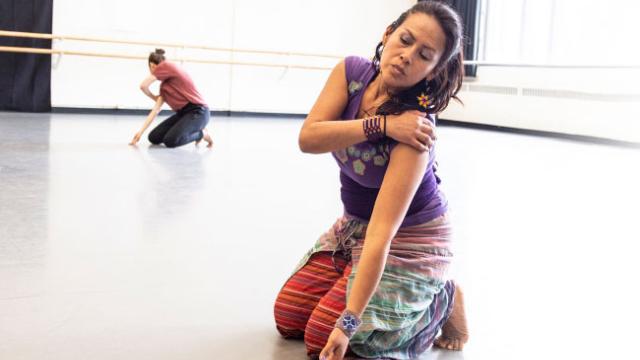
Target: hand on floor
<point>336,346</point>
<point>135,139</point>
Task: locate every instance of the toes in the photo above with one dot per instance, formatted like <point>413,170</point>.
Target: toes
<point>449,344</point>
<point>441,343</point>
<point>457,344</point>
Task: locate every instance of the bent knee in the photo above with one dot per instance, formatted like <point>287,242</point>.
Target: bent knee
<point>154,139</point>
<point>290,321</point>
<point>172,142</point>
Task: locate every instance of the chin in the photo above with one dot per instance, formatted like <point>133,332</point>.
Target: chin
<point>393,83</point>
<point>389,79</point>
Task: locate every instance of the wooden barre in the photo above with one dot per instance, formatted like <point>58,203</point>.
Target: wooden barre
<point>139,57</point>
<point>171,45</point>
<point>175,45</point>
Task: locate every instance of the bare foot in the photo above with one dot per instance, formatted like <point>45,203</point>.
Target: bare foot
<point>206,137</point>
<point>454,332</point>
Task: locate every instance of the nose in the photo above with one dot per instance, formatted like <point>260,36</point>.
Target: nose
<point>405,58</point>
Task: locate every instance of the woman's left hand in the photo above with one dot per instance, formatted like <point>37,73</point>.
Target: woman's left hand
<point>336,346</point>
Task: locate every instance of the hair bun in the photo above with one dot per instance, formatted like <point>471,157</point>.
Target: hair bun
<point>160,51</point>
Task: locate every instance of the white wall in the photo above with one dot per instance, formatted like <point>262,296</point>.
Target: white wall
<point>328,27</point>
<point>592,102</point>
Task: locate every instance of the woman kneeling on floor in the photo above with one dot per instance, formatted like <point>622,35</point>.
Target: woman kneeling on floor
<point>375,284</point>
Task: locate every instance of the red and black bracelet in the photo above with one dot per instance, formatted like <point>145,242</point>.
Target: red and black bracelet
<point>372,127</point>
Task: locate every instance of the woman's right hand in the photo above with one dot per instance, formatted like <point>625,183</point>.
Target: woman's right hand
<point>136,138</point>
<point>412,128</point>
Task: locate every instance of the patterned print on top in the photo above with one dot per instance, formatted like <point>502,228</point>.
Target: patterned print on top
<point>354,86</point>
<point>361,154</point>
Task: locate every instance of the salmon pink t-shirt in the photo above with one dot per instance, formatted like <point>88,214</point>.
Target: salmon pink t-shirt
<point>177,87</point>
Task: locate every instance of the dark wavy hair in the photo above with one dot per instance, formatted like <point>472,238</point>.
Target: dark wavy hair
<point>157,56</point>
<point>449,70</point>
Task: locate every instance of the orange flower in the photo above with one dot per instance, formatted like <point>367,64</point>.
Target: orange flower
<point>423,100</point>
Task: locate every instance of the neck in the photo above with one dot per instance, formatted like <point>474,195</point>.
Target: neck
<point>381,89</point>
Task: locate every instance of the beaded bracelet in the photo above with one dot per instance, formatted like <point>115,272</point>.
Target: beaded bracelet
<point>372,129</point>
<point>349,323</point>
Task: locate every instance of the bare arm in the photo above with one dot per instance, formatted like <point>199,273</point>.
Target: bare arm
<point>144,86</point>
<point>319,134</point>
<point>152,115</point>
<point>402,178</point>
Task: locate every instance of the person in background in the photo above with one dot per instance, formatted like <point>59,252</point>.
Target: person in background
<point>189,122</point>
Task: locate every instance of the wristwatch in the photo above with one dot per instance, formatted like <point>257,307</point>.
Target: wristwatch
<point>349,323</point>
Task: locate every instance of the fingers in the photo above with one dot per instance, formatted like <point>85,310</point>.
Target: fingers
<point>419,146</point>
<point>427,128</point>
<point>425,140</point>
<point>414,129</point>
<point>325,354</point>
<point>426,135</point>
<point>135,140</point>
<point>332,352</point>
<point>425,125</point>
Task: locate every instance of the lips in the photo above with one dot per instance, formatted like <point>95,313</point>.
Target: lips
<point>398,69</point>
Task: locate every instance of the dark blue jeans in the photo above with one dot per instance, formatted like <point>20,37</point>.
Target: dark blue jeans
<point>182,127</point>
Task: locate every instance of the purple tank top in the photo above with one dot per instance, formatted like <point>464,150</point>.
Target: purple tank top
<point>363,165</point>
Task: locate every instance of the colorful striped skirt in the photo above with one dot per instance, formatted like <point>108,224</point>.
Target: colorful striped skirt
<point>412,302</point>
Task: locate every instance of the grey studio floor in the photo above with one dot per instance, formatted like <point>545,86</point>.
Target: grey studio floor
<point>109,251</point>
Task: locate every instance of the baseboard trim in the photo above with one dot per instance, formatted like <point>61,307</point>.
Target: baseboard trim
<point>94,111</point>
<point>540,133</point>
<point>441,121</point>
